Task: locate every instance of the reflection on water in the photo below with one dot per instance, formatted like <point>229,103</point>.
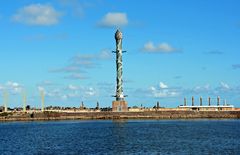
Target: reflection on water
<point>119,133</point>
<point>121,137</point>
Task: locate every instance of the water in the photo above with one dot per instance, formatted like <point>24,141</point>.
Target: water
<point>121,137</point>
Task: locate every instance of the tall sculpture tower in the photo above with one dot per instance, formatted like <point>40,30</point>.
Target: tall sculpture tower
<point>120,105</point>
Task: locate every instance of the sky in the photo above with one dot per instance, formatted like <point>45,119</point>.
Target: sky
<point>175,49</point>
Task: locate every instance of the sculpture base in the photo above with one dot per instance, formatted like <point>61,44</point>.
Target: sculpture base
<point>119,106</point>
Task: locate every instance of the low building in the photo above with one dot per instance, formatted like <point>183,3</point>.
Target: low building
<point>207,108</point>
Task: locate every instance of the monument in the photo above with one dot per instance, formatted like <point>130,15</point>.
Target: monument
<point>119,105</point>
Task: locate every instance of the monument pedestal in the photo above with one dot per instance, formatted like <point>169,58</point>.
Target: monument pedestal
<point>119,106</point>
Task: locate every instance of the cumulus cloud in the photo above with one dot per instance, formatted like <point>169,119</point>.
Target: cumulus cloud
<point>41,89</point>
<point>149,47</point>
<point>68,92</point>
<point>163,91</point>
<point>12,87</point>
<point>114,19</point>
<point>175,93</point>
<point>90,92</point>
<point>52,92</point>
<point>13,84</point>
<point>162,85</point>
<point>1,87</point>
<point>72,87</point>
<point>201,89</point>
<point>37,14</point>
<point>45,85</point>
<point>221,89</point>
<point>85,91</point>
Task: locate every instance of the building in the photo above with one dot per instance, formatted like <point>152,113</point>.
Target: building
<point>207,108</point>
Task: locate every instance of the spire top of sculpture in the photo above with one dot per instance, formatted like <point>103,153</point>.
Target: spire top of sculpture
<point>118,34</point>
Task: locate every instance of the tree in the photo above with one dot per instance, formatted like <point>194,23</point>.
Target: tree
<point>28,107</point>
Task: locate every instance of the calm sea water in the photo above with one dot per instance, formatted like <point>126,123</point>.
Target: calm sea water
<point>121,137</point>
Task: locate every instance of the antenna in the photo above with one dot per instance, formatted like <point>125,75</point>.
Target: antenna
<point>43,99</point>
<point>24,95</point>
<point>5,96</point>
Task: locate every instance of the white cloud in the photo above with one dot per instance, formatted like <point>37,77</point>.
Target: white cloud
<point>72,87</point>
<point>162,90</point>
<point>224,85</point>
<point>222,89</point>
<point>64,97</point>
<point>158,93</point>
<point>40,88</point>
<point>90,92</point>
<point>114,19</point>
<point>152,88</point>
<point>68,92</point>
<point>37,14</point>
<point>1,87</point>
<point>161,48</point>
<point>12,84</point>
<point>162,85</point>
<point>51,92</point>
<point>201,89</point>
<point>12,87</point>
<point>56,92</point>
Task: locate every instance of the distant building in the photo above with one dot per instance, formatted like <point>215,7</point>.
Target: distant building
<point>208,108</point>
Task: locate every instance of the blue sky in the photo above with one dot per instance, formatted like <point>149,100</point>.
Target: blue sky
<point>175,49</point>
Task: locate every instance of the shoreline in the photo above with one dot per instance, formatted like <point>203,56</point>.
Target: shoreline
<point>154,115</point>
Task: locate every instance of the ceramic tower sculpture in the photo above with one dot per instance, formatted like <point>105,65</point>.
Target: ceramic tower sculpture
<point>120,105</point>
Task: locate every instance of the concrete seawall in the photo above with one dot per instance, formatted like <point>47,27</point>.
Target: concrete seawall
<point>123,115</point>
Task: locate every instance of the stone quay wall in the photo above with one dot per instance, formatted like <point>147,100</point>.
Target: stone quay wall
<point>48,115</point>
